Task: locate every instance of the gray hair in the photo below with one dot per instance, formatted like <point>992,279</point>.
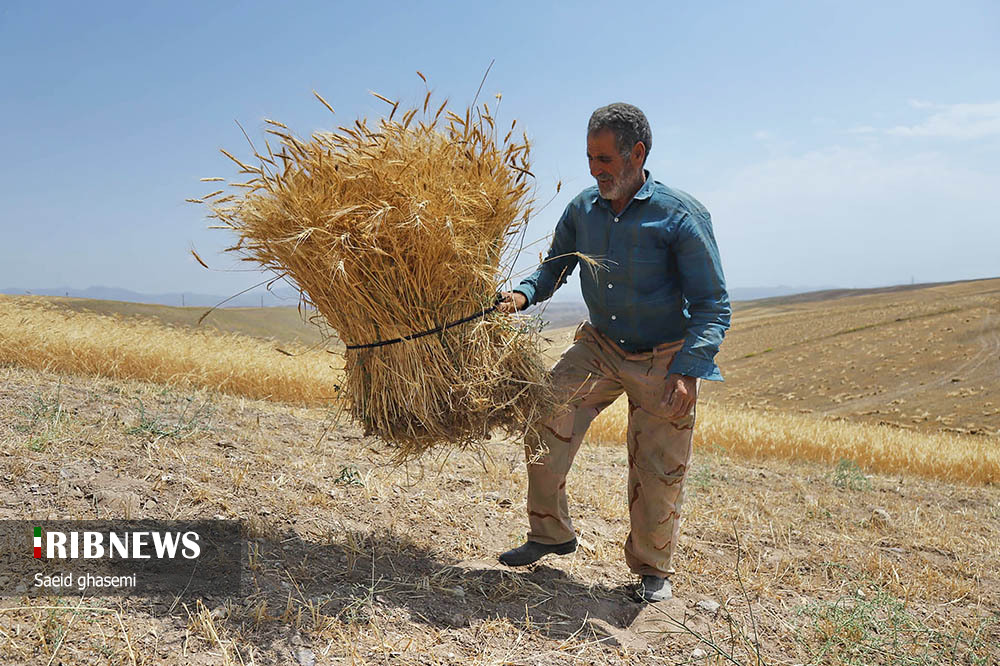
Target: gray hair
<point>627,122</point>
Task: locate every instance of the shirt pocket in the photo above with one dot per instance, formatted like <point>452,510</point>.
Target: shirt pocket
<point>648,246</point>
<point>648,268</point>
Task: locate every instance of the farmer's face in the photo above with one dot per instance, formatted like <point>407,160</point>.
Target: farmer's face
<point>616,176</point>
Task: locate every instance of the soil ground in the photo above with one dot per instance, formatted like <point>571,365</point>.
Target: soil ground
<point>351,560</point>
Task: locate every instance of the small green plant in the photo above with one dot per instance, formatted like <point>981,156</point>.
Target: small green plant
<point>37,443</point>
<point>701,477</point>
<point>357,611</point>
<point>875,627</point>
<point>187,422</point>
<point>349,476</point>
<point>43,420</point>
<point>850,476</point>
<point>47,411</point>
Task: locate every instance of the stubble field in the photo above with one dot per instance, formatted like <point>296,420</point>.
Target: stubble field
<point>842,559</point>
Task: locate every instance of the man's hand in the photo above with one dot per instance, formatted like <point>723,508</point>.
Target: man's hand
<point>679,396</point>
<point>511,301</point>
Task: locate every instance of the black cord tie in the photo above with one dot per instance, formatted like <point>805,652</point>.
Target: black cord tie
<point>414,336</point>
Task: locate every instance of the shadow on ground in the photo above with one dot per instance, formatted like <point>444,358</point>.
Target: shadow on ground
<point>358,577</point>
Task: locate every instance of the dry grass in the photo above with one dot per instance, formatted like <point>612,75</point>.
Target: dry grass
<point>360,562</point>
<point>761,435</point>
<point>34,334</point>
<point>395,230</point>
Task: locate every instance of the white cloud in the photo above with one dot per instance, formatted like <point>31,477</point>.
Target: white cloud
<point>957,121</point>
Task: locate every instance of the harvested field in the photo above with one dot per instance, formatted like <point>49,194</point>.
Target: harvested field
<point>859,556</point>
<point>353,561</point>
<point>924,359</point>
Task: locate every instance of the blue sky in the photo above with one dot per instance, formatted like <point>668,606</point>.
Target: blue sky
<point>835,143</point>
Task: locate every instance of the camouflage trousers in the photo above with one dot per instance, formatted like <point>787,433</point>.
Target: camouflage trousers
<point>588,377</point>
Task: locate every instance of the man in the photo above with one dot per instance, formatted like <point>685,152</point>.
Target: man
<point>658,312</point>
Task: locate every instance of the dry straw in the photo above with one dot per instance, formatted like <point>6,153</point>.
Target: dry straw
<point>394,230</point>
<point>42,333</point>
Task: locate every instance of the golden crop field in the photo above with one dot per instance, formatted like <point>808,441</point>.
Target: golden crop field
<point>35,333</point>
<point>38,334</point>
<point>824,537</point>
<point>759,435</point>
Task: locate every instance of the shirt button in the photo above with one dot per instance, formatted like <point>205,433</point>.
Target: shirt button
<point>613,317</point>
<point>616,219</point>
<point>622,341</point>
<point>610,285</point>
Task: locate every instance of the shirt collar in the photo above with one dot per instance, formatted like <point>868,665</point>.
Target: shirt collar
<point>644,192</point>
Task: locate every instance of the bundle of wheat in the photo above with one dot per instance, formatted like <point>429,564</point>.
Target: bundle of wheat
<point>396,231</point>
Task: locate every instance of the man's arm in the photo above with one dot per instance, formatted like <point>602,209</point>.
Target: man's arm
<point>557,266</point>
<point>704,287</point>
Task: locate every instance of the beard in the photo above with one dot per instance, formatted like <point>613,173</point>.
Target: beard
<point>620,187</point>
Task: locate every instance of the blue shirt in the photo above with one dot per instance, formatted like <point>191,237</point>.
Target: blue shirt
<point>660,277</point>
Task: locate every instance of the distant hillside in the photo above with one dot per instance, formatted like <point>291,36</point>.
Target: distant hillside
<point>275,323</point>
<point>833,293</point>
<point>924,357</point>
<point>282,296</point>
<point>755,293</point>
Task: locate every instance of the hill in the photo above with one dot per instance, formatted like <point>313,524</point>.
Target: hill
<point>921,357</point>
<point>283,324</point>
<point>259,296</point>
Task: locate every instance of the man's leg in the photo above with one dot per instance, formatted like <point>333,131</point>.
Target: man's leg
<point>585,383</point>
<point>659,453</point>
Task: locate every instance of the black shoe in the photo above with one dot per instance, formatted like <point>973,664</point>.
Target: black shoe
<point>532,551</point>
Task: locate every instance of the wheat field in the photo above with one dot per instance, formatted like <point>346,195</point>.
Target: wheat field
<point>357,560</point>
<point>36,335</point>
<point>763,435</point>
